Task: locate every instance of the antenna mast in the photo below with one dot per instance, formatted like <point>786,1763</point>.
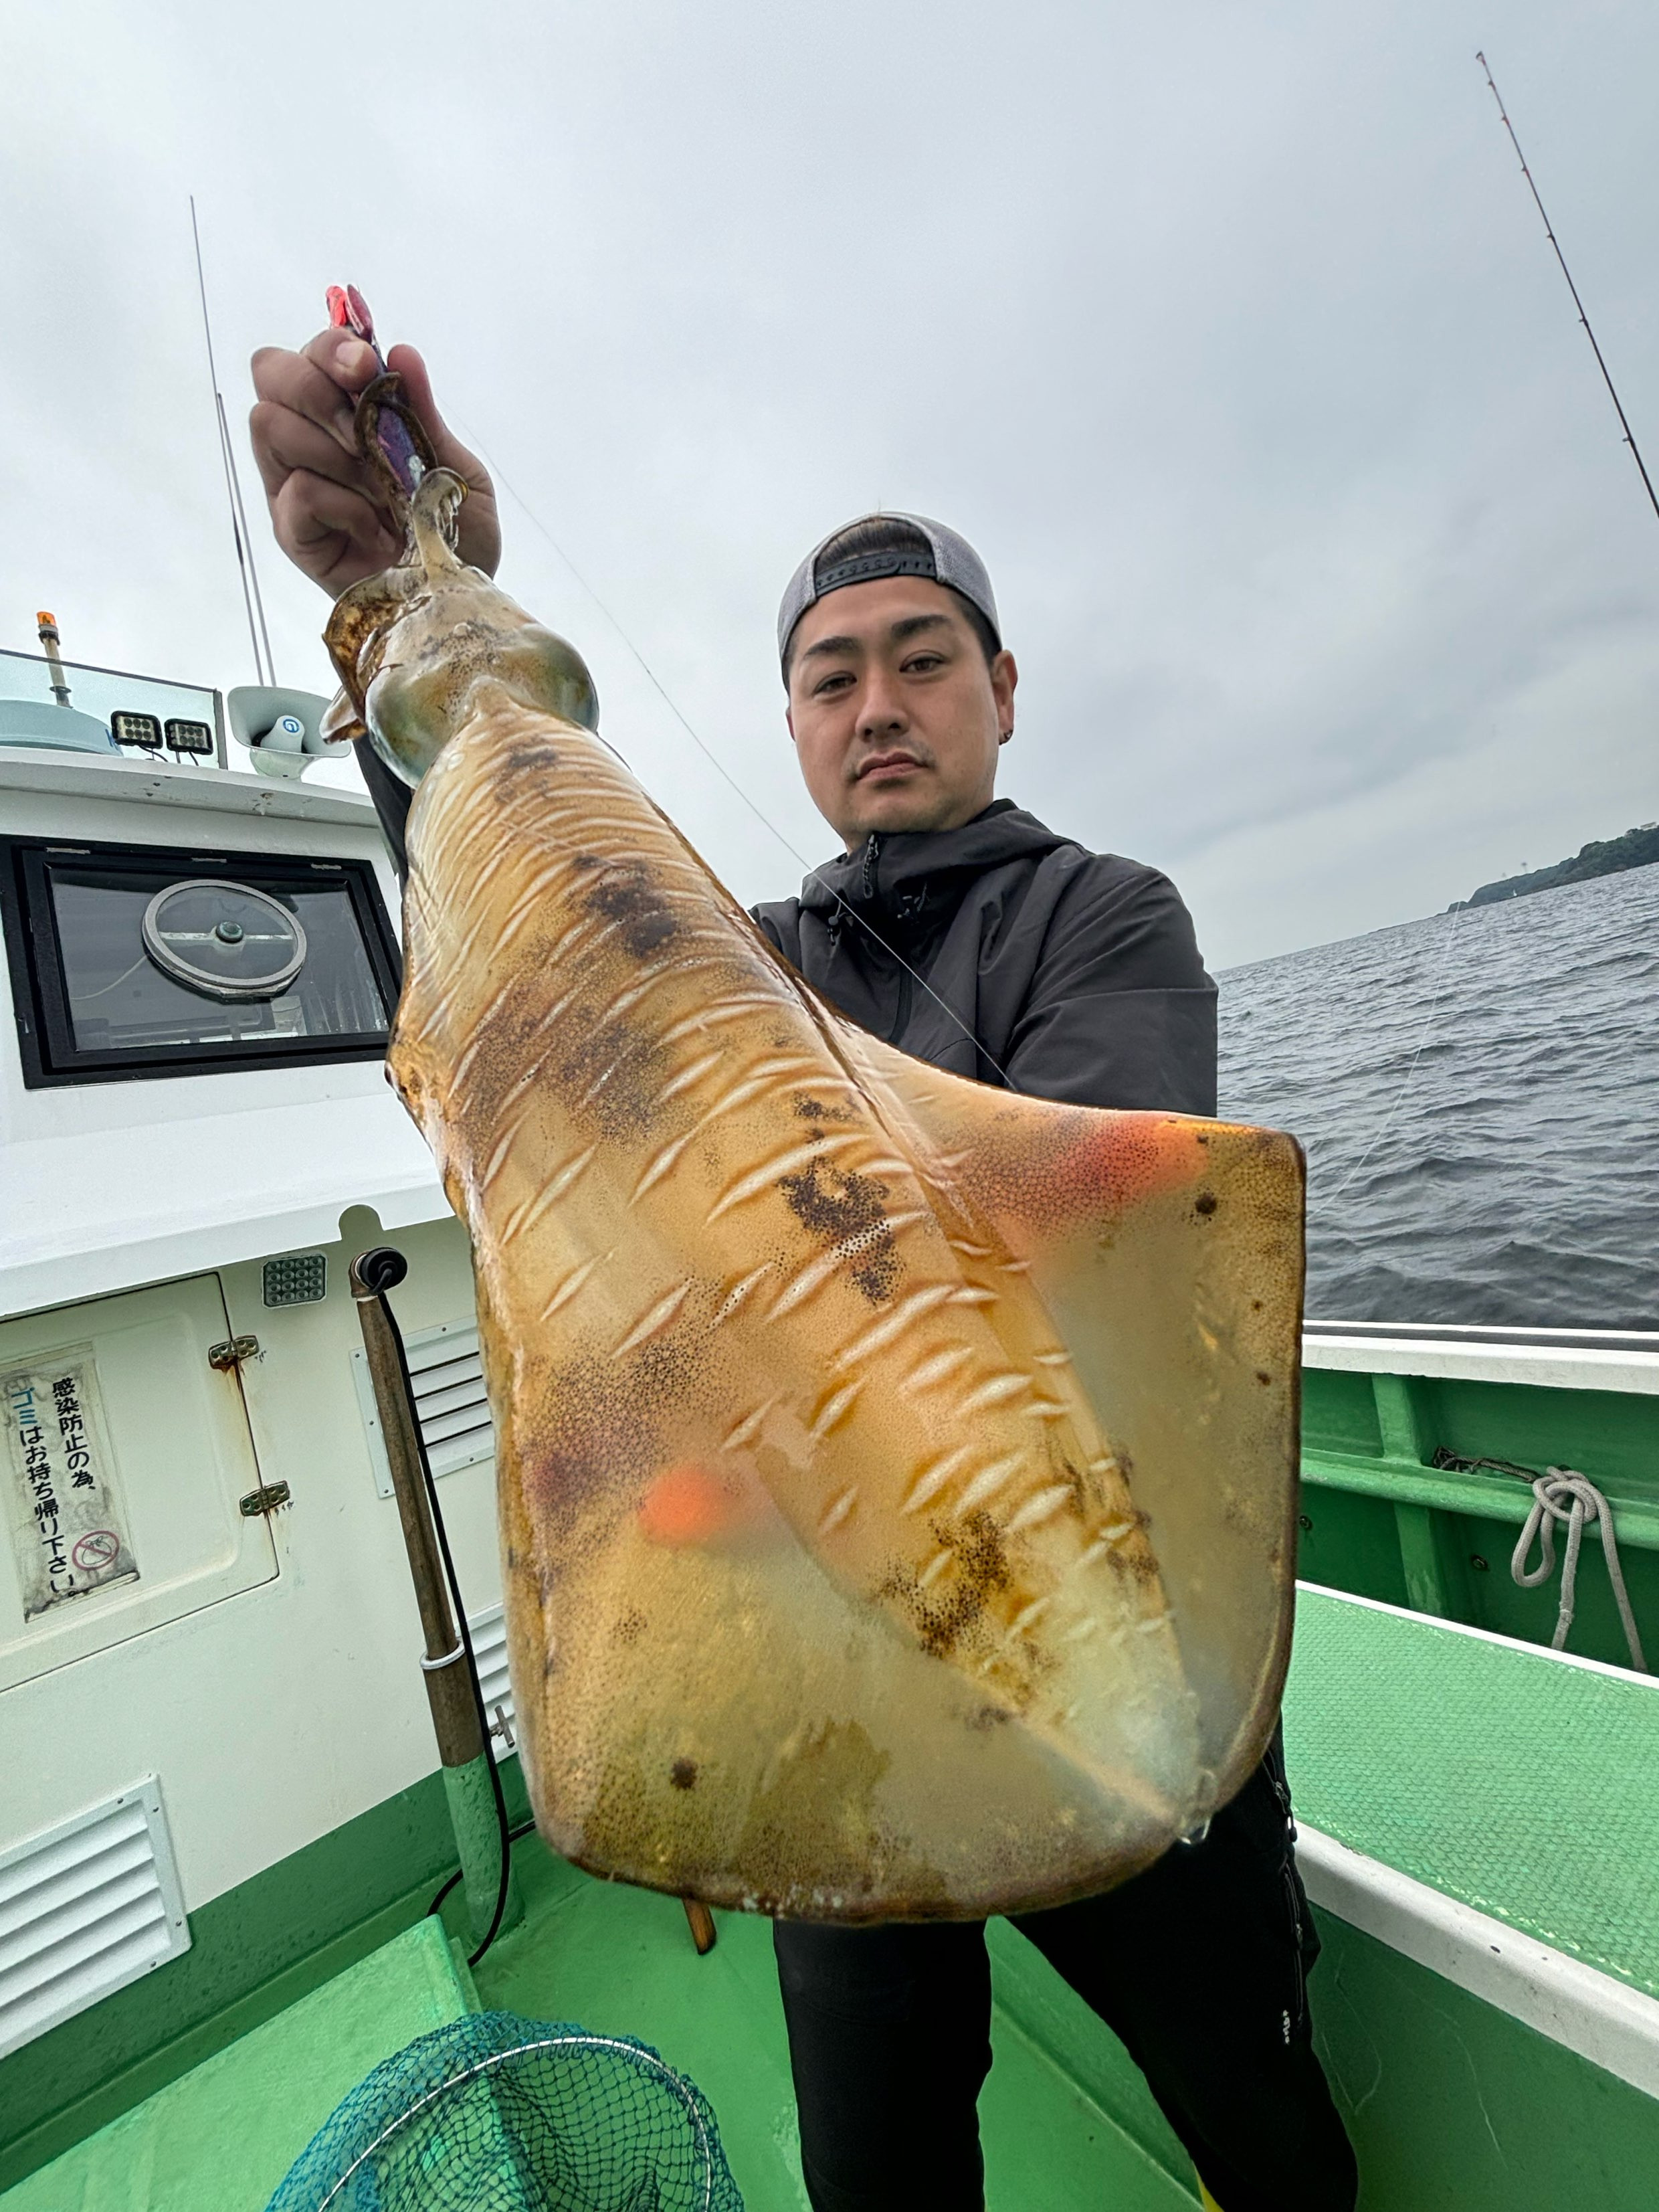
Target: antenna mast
<point>264,668</point>
<point>1607,378</point>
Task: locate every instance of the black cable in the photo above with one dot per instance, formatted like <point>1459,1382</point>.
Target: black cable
<point>382,1270</point>
<point>524,1828</point>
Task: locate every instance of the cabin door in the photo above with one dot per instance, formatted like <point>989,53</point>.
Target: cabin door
<point>125,1460</point>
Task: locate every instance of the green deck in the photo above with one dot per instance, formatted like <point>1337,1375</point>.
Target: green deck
<point>616,1958</point>
<point>221,2138</point>
<point>1454,2112</point>
<point>1527,1789</point>
<point>1524,1787</point>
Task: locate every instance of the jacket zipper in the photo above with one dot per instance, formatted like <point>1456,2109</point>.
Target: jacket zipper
<point>1294,2020</point>
<point>1281,1789</point>
<point>867,885</point>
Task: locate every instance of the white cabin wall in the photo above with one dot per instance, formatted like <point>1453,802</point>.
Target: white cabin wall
<point>272,1715</point>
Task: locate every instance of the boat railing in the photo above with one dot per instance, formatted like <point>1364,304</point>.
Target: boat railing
<point>1424,1446</point>
<point>1437,1332</point>
<point>143,715</point>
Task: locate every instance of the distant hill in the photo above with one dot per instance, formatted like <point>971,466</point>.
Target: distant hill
<point>1636,848</point>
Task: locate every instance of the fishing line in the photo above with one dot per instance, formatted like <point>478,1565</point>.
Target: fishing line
<point>1606,375</point>
<point>719,766</point>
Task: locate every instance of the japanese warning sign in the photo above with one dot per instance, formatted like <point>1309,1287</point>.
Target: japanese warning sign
<point>67,1525</point>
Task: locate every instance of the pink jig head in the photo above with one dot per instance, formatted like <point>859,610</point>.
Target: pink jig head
<point>348,310</point>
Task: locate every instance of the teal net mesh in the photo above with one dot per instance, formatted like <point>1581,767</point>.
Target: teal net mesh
<point>497,2113</point>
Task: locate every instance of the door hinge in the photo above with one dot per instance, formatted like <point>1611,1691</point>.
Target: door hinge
<point>269,1497</point>
<point>231,1352</point>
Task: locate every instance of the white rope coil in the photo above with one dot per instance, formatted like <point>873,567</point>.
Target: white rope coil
<point>1566,1495</point>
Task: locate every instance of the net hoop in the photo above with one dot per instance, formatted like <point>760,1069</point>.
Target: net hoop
<point>632,2051</point>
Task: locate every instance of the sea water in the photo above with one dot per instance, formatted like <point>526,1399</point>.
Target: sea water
<point>1479,1095</point>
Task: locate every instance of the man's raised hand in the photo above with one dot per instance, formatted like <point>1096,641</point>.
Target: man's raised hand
<point>324,503</point>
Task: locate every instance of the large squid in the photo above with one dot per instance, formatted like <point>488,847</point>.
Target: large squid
<point>896,1475</point>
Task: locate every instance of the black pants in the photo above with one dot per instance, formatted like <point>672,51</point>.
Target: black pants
<point>1200,1966</point>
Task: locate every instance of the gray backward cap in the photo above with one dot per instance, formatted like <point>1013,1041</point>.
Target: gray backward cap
<point>950,560</point>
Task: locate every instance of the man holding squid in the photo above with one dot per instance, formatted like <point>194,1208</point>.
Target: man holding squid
<point>960,929</point>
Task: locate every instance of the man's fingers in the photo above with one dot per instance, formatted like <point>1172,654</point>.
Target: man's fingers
<point>451,452</point>
<point>283,441</point>
<point>310,508</point>
<point>343,359</point>
<point>295,382</point>
<point>331,531</point>
<point>480,529</point>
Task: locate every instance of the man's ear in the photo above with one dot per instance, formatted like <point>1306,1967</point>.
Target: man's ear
<point>789,722</point>
<point>1005,675</point>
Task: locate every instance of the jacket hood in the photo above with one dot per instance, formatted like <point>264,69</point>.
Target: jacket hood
<point>911,873</point>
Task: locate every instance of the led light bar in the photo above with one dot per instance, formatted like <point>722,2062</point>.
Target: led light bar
<point>190,738</point>
<point>142,730</point>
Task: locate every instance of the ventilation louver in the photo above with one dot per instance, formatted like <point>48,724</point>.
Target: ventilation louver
<point>450,1403</point>
<point>490,1650</point>
<point>85,1909</point>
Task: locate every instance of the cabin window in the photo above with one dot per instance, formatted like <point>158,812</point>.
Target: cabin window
<point>129,961</point>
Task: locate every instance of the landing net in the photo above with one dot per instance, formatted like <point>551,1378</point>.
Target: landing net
<point>497,2113</point>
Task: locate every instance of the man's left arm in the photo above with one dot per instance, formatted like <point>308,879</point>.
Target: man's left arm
<point>1120,1011</point>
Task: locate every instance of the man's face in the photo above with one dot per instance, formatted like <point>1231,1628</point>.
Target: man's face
<point>897,719</point>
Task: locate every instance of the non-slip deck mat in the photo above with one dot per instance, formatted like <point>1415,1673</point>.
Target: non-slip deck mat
<point>221,2138</point>
<point>1524,1786</point>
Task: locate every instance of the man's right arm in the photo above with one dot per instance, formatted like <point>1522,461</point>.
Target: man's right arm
<point>326,503</point>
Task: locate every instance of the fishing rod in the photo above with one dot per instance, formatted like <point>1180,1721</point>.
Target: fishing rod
<point>1549,232</point>
<point>264,668</point>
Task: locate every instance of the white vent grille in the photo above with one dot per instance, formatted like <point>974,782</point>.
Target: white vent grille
<point>450,1403</point>
<point>85,1909</point>
<point>490,1650</point>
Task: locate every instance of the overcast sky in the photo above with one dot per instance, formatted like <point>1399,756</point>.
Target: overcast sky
<point>1227,332</point>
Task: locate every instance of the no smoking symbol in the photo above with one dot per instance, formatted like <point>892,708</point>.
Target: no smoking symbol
<point>97,1548</point>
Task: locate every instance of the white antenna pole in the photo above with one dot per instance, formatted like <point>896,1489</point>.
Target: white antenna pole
<point>264,668</point>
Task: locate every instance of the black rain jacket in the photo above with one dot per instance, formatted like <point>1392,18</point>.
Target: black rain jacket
<point>1066,974</point>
